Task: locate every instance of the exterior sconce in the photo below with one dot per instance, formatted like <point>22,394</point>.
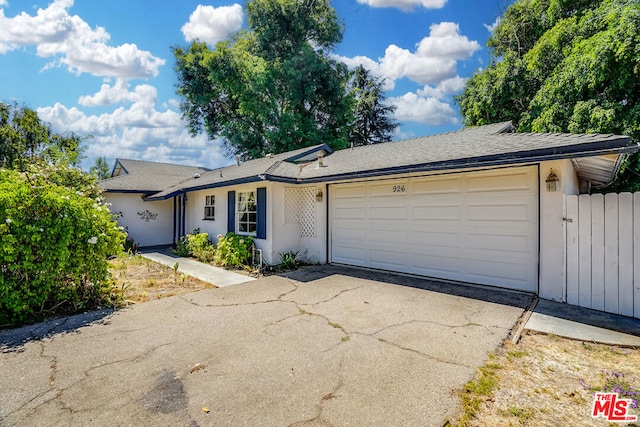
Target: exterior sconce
<point>319,196</point>
<point>552,181</point>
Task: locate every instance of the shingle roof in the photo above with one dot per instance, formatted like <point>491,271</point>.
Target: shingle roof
<point>252,170</point>
<point>147,177</point>
<point>480,146</point>
<point>471,147</point>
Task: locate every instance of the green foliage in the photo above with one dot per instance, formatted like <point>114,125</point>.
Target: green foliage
<point>234,250</point>
<point>563,66</point>
<point>289,260</point>
<point>100,169</point>
<point>196,244</point>
<point>273,88</point>
<point>54,242</point>
<point>201,247</point>
<point>371,123</point>
<point>182,247</point>
<point>24,139</point>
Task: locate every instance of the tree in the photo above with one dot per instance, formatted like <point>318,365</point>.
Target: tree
<point>24,138</point>
<point>371,123</point>
<point>563,66</point>
<point>100,169</point>
<point>273,88</point>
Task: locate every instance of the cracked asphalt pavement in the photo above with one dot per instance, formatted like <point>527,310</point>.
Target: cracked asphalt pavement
<point>322,346</point>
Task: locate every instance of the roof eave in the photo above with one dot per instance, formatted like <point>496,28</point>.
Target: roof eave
<point>479,162</point>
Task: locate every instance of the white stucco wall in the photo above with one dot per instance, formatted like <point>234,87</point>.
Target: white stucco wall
<point>151,230</point>
<point>311,249</point>
<point>553,228</point>
<point>281,237</point>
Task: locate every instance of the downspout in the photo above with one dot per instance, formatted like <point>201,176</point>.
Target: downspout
<point>175,222</point>
<point>184,210</point>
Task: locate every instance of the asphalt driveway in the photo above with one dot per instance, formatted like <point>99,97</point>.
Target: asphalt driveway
<point>326,346</point>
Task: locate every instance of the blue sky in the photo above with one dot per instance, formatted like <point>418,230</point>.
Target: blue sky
<point>105,68</point>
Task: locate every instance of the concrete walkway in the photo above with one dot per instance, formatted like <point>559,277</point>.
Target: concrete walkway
<point>584,324</point>
<point>208,273</point>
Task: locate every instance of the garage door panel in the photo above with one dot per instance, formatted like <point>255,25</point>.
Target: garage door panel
<point>384,236</point>
<point>447,267</point>
<point>438,239</point>
<point>349,213</point>
<point>491,184</point>
<point>349,192</point>
<point>350,255</point>
<point>479,227</point>
<point>501,272</point>
<point>349,234</point>
<point>499,243</point>
<point>437,212</point>
<point>389,213</point>
<point>388,258</point>
<point>499,212</point>
<point>436,186</point>
<point>389,189</point>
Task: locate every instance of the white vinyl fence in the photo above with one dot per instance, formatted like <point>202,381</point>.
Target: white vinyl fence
<point>603,252</point>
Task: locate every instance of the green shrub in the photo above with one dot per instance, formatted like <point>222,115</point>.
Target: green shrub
<point>289,260</point>
<point>182,247</point>
<point>234,250</point>
<point>196,244</point>
<point>201,247</point>
<point>54,242</point>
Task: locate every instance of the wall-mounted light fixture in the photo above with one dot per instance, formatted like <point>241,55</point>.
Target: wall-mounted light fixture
<point>319,196</point>
<point>552,181</point>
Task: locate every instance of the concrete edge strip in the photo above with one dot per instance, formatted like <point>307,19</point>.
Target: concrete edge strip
<point>522,321</point>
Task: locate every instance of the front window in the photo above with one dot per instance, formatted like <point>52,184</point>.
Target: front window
<point>210,207</point>
<point>247,212</point>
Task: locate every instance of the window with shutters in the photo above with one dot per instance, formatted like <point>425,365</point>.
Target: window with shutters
<point>247,212</point>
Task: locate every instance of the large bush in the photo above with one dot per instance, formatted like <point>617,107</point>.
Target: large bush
<point>56,234</point>
<point>234,250</point>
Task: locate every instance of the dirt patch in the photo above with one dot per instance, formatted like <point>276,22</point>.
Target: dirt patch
<point>547,380</point>
<point>139,279</point>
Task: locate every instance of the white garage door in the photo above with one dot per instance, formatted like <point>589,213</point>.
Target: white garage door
<point>479,227</point>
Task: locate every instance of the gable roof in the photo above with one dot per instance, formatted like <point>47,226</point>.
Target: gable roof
<point>138,176</point>
<point>249,171</point>
<point>483,146</point>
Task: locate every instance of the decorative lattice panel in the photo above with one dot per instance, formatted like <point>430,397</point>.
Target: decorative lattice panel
<point>300,208</point>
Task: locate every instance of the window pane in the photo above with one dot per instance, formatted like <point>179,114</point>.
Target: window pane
<point>252,228</point>
<point>242,227</point>
<point>243,217</point>
<point>252,217</point>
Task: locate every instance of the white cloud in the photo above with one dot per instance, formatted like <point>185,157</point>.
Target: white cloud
<point>445,41</point>
<point>491,28</point>
<point>72,42</point>
<point>212,25</point>
<point>4,3</point>
<point>444,88</point>
<point>434,60</point>
<point>119,92</point>
<point>138,132</point>
<point>405,5</point>
<point>426,110</point>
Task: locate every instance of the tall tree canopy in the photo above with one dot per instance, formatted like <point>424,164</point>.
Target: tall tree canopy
<point>563,66</point>
<point>371,122</point>
<point>272,88</point>
<point>24,139</point>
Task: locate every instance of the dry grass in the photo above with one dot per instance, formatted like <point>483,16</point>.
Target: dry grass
<point>549,381</point>
<point>140,279</point>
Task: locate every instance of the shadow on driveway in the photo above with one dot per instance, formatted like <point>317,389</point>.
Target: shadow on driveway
<point>13,340</point>
<point>477,292</point>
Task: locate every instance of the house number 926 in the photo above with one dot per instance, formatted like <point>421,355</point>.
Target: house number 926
<point>399,189</point>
